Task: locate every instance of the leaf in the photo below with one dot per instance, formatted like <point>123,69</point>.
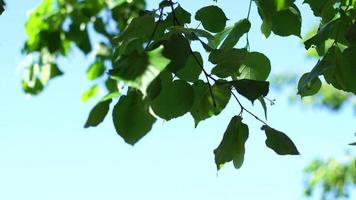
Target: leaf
<point>279,142</point>
<point>50,71</point>
<point>310,88</point>
<point>174,100</point>
<point>239,29</point>
<point>2,6</point>
<point>203,106</point>
<point>130,67</point>
<point>177,50</point>
<point>183,17</point>
<point>251,89</point>
<point>98,114</point>
<point>131,117</point>
<point>353,144</point>
<point>189,31</point>
<point>256,66</point>
<point>219,37</point>
<point>212,17</point>
<point>287,22</point>
<point>157,63</point>
<point>191,70</point>
<point>140,27</point>
<point>90,93</point>
<point>96,69</point>
<point>232,146</point>
<point>264,106</point>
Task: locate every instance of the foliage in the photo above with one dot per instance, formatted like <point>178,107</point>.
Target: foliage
<point>335,178</point>
<point>2,6</point>
<point>150,53</point>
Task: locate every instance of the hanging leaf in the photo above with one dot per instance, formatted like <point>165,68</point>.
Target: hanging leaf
<point>131,117</point>
<point>279,142</point>
<point>191,70</point>
<point>98,114</point>
<point>256,66</point>
<point>212,17</point>
<point>251,89</point>
<point>174,100</point>
<point>240,28</point>
<point>232,146</point>
<point>203,106</point>
<point>310,88</point>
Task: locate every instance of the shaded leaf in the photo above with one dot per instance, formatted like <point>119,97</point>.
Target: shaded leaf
<point>240,28</point>
<point>203,106</point>
<point>251,89</point>
<point>191,70</point>
<point>232,146</point>
<point>174,100</point>
<point>212,17</point>
<point>131,117</point>
<point>310,88</point>
<point>279,142</point>
<point>98,113</point>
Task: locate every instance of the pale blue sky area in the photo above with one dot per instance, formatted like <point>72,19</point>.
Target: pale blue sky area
<point>45,154</point>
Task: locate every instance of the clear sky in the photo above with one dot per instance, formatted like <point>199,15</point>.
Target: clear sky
<point>45,154</point>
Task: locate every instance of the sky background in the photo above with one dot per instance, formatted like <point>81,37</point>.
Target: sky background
<point>45,154</point>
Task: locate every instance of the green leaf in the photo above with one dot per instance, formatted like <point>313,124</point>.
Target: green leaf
<point>79,36</point>
<point>256,66</point>
<point>264,106</point>
<point>2,6</point>
<point>309,88</point>
<point>96,69</point>
<point>114,3</point>
<point>203,106</point>
<point>287,22</point>
<point>157,63</point>
<point>191,70</point>
<point>219,37</point>
<point>90,93</point>
<point>251,89</point>
<point>130,67</point>
<point>189,31</point>
<point>232,146</point>
<point>183,17</point>
<point>98,114</point>
<point>212,17</point>
<point>230,56</point>
<point>177,50</point>
<point>239,29</point>
<point>131,117</point>
<point>174,100</point>
<point>50,71</point>
<point>353,144</point>
<point>140,27</point>
<point>279,142</point>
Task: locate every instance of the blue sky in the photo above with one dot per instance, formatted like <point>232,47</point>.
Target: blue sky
<point>46,154</point>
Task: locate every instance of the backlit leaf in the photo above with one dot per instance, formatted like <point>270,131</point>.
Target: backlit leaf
<point>279,142</point>
<point>232,146</point>
<point>212,17</point>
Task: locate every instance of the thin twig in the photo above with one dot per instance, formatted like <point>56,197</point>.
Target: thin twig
<point>248,17</point>
<point>207,75</point>
<point>245,109</point>
<point>155,28</point>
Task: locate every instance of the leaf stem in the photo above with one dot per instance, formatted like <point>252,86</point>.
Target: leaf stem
<point>207,75</point>
<point>155,28</point>
<point>245,109</point>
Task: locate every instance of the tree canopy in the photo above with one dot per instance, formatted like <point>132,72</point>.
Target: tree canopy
<point>146,62</point>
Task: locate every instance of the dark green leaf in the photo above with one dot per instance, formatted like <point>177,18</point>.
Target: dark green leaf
<point>203,106</point>
<point>174,100</point>
<point>191,70</point>
<point>232,146</point>
<point>177,50</point>
<point>131,117</point>
<point>140,27</point>
<point>264,106</point>
<point>239,29</point>
<point>182,16</point>
<point>353,144</point>
<point>212,17</point>
<point>219,37</point>
<point>251,89</point>
<point>310,88</point>
<point>287,22</point>
<point>98,114</point>
<point>279,142</point>
<point>130,67</point>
